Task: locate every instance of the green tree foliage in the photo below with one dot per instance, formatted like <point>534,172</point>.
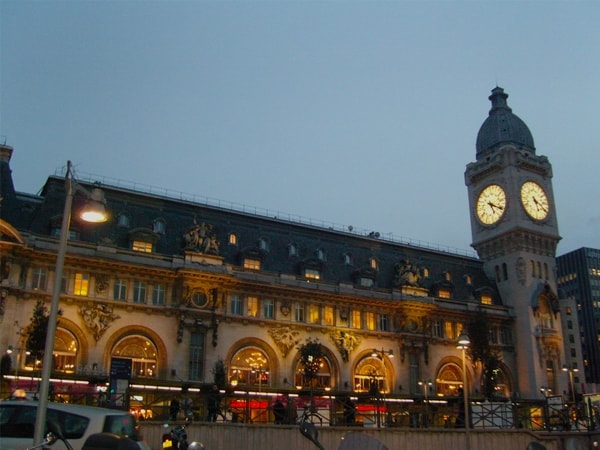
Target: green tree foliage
<point>311,353</point>
<point>37,330</point>
<point>481,351</point>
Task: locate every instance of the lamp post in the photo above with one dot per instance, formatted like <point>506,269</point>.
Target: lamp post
<point>9,351</point>
<point>565,368</point>
<point>381,354</point>
<point>426,385</point>
<point>463,344</point>
<point>95,212</point>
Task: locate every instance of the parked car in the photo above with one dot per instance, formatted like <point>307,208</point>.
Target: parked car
<point>78,422</point>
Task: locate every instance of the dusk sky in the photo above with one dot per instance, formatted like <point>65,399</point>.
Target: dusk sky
<point>361,113</point>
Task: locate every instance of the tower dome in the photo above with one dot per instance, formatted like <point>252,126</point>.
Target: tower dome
<point>502,127</point>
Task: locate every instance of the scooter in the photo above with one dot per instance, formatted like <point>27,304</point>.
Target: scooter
<point>177,438</point>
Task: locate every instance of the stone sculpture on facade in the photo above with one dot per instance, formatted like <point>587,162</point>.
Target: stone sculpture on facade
<point>345,342</point>
<point>406,274</point>
<point>97,318</point>
<point>200,238</point>
<point>285,338</point>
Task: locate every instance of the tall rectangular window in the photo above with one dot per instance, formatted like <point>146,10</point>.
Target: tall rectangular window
<point>370,321</point>
<point>268,308</point>
<point>313,314</point>
<point>252,306</point>
<point>384,323</point>
<point>196,365</point>
<point>120,291</point>
<point>355,319</point>
<point>437,328</point>
<point>328,316</point>
<point>236,305</point>
<point>299,312</point>
<point>82,284</point>
<point>158,294</point>
<point>139,292</point>
<point>40,276</point>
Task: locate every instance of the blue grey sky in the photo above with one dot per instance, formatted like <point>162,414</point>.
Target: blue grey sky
<point>360,113</point>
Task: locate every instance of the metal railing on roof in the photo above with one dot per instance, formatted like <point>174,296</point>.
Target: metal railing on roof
<point>264,212</point>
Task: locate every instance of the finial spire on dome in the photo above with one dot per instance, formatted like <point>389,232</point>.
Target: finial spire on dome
<point>498,99</point>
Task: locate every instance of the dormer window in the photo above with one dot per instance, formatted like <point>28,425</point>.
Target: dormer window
<point>373,263</point>
<point>486,299</point>
<point>312,274</point>
<point>263,245</point>
<point>469,280</point>
<point>447,276</point>
<point>140,246</point>
<point>348,259</point>
<point>251,263</point>
<point>159,226</point>
<point>123,220</point>
<point>292,250</point>
<point>233,239</point>
<point>425,272</point>
<point>444,293</point>
<point>320,253</point>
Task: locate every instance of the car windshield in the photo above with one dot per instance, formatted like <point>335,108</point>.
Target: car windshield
<point>18,421</point>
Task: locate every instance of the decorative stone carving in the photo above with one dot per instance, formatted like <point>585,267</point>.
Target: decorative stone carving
<point>521,269</point>
<point>97,318</point>
<point>199,238</point>
<point>406,274</point>
<point>285,338</point>
<point>102,283</point>
<point>345,342</point>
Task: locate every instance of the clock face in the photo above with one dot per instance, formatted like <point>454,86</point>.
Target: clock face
<point>534,200</point>
<point>491,204</point>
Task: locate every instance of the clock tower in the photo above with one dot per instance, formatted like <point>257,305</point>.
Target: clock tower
<point>515,233</point>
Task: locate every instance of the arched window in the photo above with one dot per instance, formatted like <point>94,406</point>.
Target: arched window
<point>233,239</point>
<point>374,371</point>
<point>143,355</point>
<point>449,380</point>
<point>250,367</point>
<point>322,379</point>
<point>65,351</point>
<point>373,263</point>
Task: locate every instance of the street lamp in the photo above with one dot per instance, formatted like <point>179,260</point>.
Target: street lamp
<point>381,354</point>
<point>426,386</point>
<point>94,212</point>
<point>565,368</point>
<point>463,344</point>
<point>9,351</point>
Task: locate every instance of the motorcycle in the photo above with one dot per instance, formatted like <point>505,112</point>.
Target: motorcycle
<point>54,434</point>
<point>177,439</point>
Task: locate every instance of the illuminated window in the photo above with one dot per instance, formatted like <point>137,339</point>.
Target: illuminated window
<point>252,306</point>
<point>373,263</point>
<point>120,290</point>
<point>143,355</point>
<point>158,294</point>
<point>486,299</point>
<point>140,246</point>
<point>299,312</point>
<point>355,319</point>
<point>444,293</point>
<point>469,279</point>
<point>313,314</point>
<point>370,321</point>
<point>449,330</point>
<point>65,351</point>
<point>425,272</point>
<point>437,328</point>
<point>40,276</point>
<point>253,264</point>
<point>328,315</point>
<point>139,292</point>
<point>196,362</point>
<point>82,283</point>
<point>233,239</point>
<point>447,276</point>
<point>312,274</point>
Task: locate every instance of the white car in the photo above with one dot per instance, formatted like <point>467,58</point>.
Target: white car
<point>78,422</point>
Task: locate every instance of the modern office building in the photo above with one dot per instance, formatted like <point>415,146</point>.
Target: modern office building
<point>178,287</point>
<point>579,282</point>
